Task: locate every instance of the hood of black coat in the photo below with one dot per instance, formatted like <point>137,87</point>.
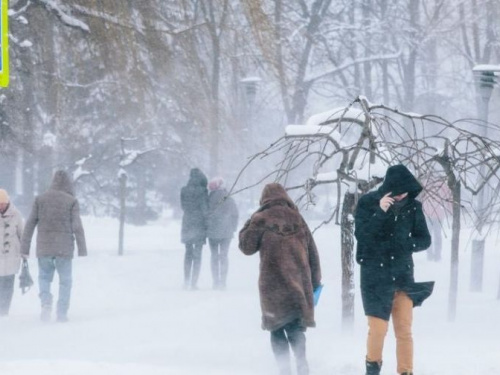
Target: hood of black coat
<point>398,180</point>
<point>197,178</point>
<point>62,182</point>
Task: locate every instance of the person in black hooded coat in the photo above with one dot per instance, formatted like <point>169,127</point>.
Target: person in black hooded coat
<point>389,227</point>
<point>194,203</point>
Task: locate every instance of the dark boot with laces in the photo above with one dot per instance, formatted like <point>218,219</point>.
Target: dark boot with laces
<point>373,368</point>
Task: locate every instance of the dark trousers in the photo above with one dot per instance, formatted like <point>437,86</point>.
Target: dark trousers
<point>292,334</point>
<point>219,248</point>
<point>6,292</point>
<point>192,264</point>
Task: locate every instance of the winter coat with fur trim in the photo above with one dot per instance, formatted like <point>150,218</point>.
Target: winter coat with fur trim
<point>386,242</point>
<point>289,261</point>
<point>57,215</point>
<point>11,231</point>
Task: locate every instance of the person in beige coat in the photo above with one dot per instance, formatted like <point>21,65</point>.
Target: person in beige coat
<point>289,273</point>
<point>11,230</point>
<point>57,215</point>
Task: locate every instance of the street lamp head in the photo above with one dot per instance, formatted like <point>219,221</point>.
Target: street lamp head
<point>486,79</point>
<point>486,82</point>
<point>250,87</point>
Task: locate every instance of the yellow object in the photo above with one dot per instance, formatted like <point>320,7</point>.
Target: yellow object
<point>402,319</point>
<point>4,43</point>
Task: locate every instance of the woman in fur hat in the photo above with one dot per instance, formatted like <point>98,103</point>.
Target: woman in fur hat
<point>11,231</point>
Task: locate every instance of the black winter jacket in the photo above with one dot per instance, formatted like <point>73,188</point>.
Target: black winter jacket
<point>194,203</point>
<point>386,242</point>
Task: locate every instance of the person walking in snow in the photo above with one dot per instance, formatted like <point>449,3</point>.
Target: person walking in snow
<point>11,230</point>
<point>222,223</point>
<point>289,273</point>
<point>389,227</point>
<point>194,203</point>
<point>57,215</point>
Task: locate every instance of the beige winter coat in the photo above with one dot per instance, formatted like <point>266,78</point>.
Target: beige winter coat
<point>11,231</point>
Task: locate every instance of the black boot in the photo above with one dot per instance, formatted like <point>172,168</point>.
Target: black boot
<point>407,373</point>
<point>6,292</point>
<point>196,265</point>
<point>281,350</point>
<point>297,339</point>
<point>373,368</point>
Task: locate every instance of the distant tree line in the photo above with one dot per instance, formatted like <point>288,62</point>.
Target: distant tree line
<point>172,78</point>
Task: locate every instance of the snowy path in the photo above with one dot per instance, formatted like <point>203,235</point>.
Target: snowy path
<point>130,316</point>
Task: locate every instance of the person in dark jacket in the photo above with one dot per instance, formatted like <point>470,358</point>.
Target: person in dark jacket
<point>194,203</point>
<point>289,273</point>
<point>222,223</point>
<point>57,215</point>
<point>389,227</point>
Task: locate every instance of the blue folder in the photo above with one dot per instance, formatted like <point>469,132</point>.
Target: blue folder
<point>317,293</point>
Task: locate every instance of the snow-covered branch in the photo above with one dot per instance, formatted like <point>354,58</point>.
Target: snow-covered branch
<point>64,14</point>
<point>318,75</point>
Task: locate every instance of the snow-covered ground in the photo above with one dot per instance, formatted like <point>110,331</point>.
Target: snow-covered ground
<point>130,316</point>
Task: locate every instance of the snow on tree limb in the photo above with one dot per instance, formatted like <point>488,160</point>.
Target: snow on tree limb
<point>318,75</point>
<point>355,147</point>
<point>64,14</point>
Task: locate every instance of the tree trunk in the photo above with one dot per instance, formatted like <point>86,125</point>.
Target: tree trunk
<point>498,294</point>
<point>366,9</point>
<point>477,265</point>
<point>142,208</point>
<point>45,168</point>
<point>7,171</point>
<point>477,254</point>
<point>28,180</point>
<point>455,245</point>
<point>347,257</point>
<point>215,115</point>
<point>384,64</point>
<point>123,192</point>
<point>435,251</point>
<point>410,66</point>
<point>353,52</point>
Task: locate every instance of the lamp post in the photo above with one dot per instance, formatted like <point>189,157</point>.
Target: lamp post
<point>486,79</point>
<point>249,85</point>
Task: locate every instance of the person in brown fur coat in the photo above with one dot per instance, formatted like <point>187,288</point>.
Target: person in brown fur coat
<point>289,272</point>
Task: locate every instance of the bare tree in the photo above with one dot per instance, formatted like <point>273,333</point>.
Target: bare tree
<point>287,37</point>
<point>351,148</point>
